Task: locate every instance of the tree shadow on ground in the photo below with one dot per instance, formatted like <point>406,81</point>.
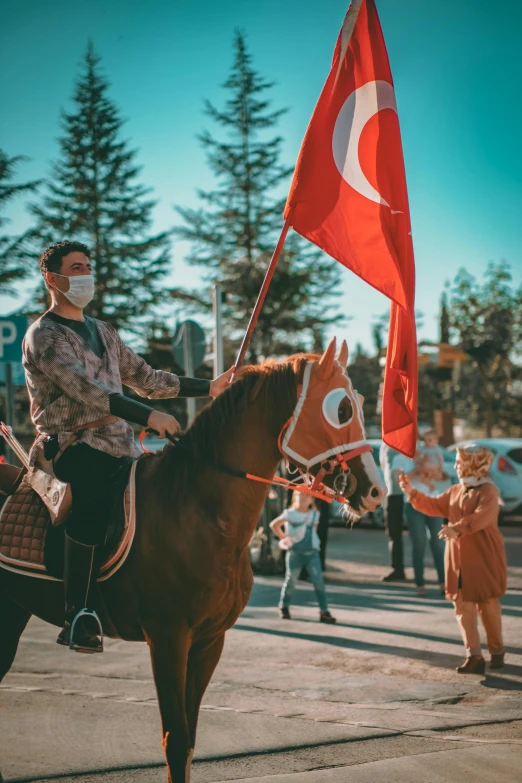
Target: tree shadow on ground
<point>416,635</point>
<point>512,599</point>
<point>438,659</point>
<point>369,598</point>
<point>356,644</point>
<point>504,683</point>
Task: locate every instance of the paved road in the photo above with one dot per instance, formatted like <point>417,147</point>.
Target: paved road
<point>374,698</point>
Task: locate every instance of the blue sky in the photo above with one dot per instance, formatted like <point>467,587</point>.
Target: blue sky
<point>457,74</point>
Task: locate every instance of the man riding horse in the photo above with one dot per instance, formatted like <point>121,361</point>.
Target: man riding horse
<point>75,367</point>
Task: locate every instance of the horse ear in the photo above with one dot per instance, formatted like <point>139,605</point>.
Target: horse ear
<point>361,399</point>
<point>327,359</point>
<point>342,358</point>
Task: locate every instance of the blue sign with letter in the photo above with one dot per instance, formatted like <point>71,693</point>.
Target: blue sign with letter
<point>12,331</point>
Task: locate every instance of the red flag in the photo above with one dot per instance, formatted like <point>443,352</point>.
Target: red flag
<point>349,197</point>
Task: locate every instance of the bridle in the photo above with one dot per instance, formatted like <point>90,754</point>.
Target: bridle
<point>315,484</point>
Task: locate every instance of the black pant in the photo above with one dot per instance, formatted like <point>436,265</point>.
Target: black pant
<point>393,518</point>
<point>90,473</point>
<point>322,529</point>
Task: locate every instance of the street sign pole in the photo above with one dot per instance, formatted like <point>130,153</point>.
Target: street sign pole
<point>218,329</point>
<point>9,389</point>
<point>12,331</point>
<point>189,348</point>
<point>189,370</point>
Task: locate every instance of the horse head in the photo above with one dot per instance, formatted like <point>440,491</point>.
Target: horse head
<point>325,436</point>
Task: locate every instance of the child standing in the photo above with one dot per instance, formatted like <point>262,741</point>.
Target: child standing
<point>296,527</point>
<point>430,460</point>
<point>475,560</point>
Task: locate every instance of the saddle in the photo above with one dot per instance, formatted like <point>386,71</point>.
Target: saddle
<point>31,544</point>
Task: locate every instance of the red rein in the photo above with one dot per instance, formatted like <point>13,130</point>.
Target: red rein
<point>316,489</point>
<point>141,438</point>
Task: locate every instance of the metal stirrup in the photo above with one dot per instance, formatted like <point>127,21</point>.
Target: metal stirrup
<point>89,613</point>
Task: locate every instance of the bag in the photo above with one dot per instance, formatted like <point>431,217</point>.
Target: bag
<point>56,495</point>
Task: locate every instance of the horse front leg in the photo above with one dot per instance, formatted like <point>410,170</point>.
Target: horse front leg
<point>202,661</point>
<point>169,655</point>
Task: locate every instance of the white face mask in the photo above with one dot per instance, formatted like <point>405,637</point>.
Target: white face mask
<point>81,289</point>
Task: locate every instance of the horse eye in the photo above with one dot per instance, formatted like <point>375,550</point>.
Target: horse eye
<point>337,408</point>
<point>345,411</point>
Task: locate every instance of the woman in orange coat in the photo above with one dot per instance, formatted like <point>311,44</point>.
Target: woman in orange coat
<point>475,557</point>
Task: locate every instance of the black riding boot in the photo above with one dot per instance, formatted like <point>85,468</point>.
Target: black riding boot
<point>82,629</point>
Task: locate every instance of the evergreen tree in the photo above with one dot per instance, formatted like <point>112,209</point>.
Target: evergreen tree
<point>444,319</point>
<point>233,232</point>
<point>13,249</point>
<point>93,196</point>
<point>365,372</point>
<point>486,319</point>
<point>380,333</point>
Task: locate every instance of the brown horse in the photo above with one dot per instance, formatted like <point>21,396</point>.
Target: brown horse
<point>188,575</point>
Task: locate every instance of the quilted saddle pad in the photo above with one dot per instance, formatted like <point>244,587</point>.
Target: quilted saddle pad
<point>24,521</point>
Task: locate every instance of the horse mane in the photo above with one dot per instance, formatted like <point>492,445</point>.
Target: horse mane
<point>275,381</point>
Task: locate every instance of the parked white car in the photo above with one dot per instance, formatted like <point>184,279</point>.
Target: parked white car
<point>506,470</point>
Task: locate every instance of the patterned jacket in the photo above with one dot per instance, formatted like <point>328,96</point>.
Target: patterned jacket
<point>69,385</point>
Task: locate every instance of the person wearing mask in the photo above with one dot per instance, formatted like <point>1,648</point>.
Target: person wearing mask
<point>75,368</point>
<point>393,515</point>
<point>475,562</point>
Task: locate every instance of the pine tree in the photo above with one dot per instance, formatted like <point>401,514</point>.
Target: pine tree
<point>444,319</point>
<point>93,196</point>
<point>485,319</point>
<point>233,232</point>
<point>365,372</point>
<point>13,249</point>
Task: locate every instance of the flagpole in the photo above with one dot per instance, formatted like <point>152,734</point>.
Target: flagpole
<point>350,20</point>
<point>262,293</point>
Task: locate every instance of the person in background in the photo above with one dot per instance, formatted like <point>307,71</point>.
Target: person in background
<point>430,459</point>
<point>476,573</point>
<point>393,515</point>
<point>421,525</point>
<point>432,450</point>
<point>322,530</point>
<point>296,527</point>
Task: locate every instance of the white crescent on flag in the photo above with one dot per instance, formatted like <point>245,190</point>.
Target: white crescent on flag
<point>360,106</point>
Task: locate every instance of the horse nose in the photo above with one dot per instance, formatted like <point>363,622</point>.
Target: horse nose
<point>377,494</point>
